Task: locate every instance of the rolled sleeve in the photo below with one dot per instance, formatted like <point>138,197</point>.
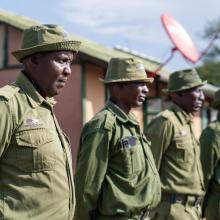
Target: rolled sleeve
<point>159,133</point>
<point>209,141</point>
<point>6,125</point>
<point>91,168</point>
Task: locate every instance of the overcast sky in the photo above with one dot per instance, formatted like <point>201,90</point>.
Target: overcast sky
<point>130,24</point>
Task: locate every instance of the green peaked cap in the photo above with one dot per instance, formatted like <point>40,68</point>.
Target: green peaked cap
<point>125,70</point>
<point>183,80</point>
<point>45,38</point>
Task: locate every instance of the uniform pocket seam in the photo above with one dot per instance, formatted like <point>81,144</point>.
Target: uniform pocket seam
<point>27,138</point>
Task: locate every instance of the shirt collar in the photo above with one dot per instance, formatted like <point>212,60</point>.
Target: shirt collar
<point>33,95</point>
<point>120,114</point>
<point>184,117</point>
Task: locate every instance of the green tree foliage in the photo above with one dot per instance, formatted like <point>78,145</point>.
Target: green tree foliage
<point>210,69</point>
<point>212,29</point>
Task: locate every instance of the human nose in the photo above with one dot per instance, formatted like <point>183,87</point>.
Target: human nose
<point>201,95</point>
<point>145,89</point>
<point>67,69</point>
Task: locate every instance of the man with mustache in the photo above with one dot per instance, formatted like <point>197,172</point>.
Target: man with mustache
<point>35,160</point>
<point>176,150</point>
<point>116,177</point>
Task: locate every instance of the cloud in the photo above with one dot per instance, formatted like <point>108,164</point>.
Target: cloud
<point>137,23</point>
<point>133,20</point>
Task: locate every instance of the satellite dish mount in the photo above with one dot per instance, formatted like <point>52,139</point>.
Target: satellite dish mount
<point>182,42</point>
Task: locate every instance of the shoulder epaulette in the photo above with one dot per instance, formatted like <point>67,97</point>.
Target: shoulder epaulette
<point>213,125</point>
<point>8,91</point>
<point>166,114</point>
<point>109,121</point>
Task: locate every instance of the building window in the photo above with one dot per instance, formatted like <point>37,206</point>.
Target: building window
<point>10,40</point>
<point>208,115</point>
<point>3,48</point>
<point>152,106</point>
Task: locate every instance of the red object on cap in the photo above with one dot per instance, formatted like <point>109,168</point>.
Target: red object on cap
<point>180,38</point>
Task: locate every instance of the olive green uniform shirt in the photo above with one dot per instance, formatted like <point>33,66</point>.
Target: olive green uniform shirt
<point>115,175</point>
<point>176,152</point>
<point>210,158</point>
<point>36,180</point>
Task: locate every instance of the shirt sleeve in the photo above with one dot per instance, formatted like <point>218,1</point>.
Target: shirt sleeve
<point>91,168</point>
<point>159,133</point>
<point>209,140</point>
<point>6,125</point>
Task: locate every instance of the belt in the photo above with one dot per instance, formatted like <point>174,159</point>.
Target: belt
<point>144,213</point>
<point>141,215</point>
<point>183,199</point>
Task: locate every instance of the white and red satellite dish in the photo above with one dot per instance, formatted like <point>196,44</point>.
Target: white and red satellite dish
<point>180,38</point>
<point>182,41</point>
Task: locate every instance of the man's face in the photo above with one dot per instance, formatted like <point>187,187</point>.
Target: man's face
<point>191,100</point>
<point>52,71</point>
<point>133,94</point>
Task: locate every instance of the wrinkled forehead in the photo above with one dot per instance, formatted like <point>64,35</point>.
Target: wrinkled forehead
<point>56,54</point>
<point>194,89</point>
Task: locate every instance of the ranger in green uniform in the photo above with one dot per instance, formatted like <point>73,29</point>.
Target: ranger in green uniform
<point>210,158</point>
<point>36,180</point>
<point>176,149</point>
<point>116,178</point>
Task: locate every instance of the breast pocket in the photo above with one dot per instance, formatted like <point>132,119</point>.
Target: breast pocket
<point>184,149</point>
<point>130,156</point>
<point>148,154</point>
<point>34,150</point>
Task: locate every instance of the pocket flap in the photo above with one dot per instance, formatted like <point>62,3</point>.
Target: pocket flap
<point>33,138</point>
<point>183,144</point>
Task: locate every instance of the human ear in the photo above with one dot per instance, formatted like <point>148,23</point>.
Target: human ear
<point>34,59</point>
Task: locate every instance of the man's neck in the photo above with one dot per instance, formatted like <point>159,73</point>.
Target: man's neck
<point>33,83</point>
